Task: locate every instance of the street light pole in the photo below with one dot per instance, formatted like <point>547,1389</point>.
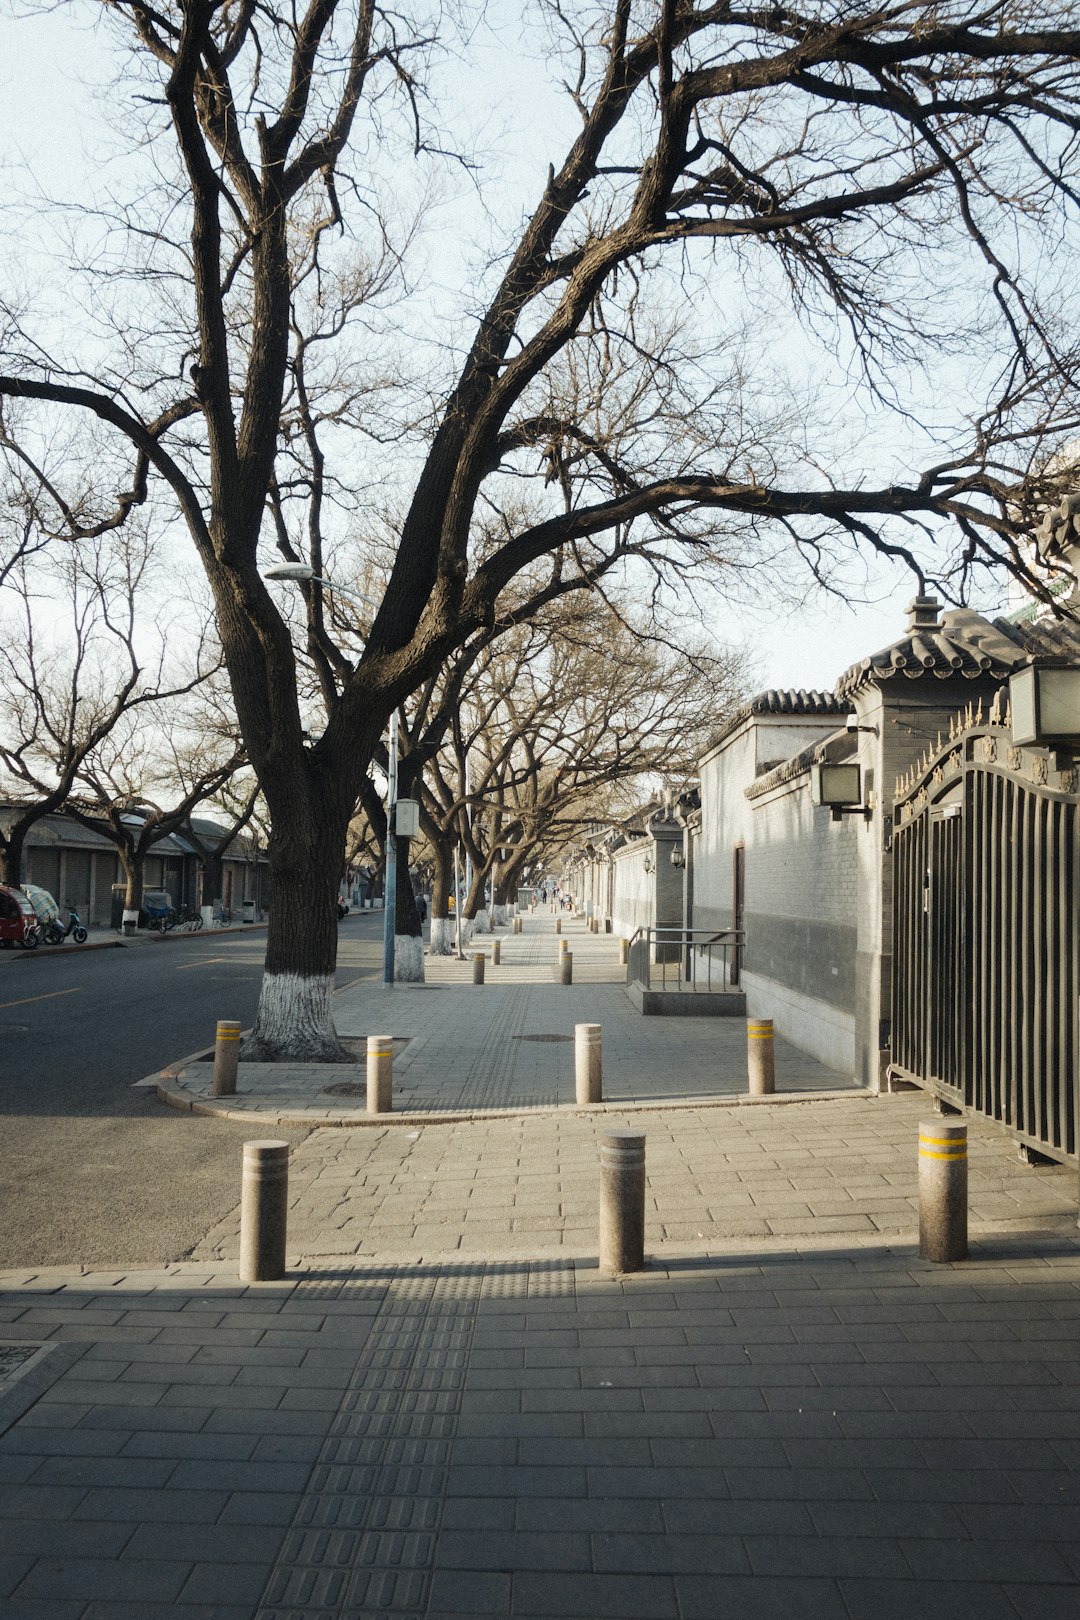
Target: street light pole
<point>390,882</point>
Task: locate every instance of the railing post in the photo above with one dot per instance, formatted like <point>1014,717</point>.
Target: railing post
<point>264,1206</point>
<point>226,1057</point>
<point>943,1190</point>
<point>760,1060</point>
<point>380,1074</point>
<point>588,1081</point>
<point>622,1201</point>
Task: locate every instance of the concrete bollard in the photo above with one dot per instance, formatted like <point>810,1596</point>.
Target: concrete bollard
<point>943,1190</point>
<point>760,1061</point>
<point>558,925</point>
<point>564,946</point>
<point>226,1057</point>
<point>517,925</point>
<point>496,952</point>
<point>264,1206</point>
<point>624,952</point>
<point>588,1082</point>
<point>478,969</point>
<point>566,967</point>
<point>380,1074</point>
<point>622,1201</point>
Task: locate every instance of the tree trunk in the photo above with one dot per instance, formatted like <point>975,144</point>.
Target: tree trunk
<point>11,855</point>
<point>294,1022</point>
<point>443,938</point>
<point>133,862</point>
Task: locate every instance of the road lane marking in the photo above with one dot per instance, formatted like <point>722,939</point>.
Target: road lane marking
<point>207,962</point>
<point>26,1000</point>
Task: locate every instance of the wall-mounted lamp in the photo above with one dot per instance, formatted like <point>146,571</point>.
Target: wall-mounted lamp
<point>678,857</point>
<point>1045,704</point>
<point>649,866</point>
<point>839,788</point>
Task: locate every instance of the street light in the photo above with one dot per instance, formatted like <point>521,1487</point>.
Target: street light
<point>303,573</point>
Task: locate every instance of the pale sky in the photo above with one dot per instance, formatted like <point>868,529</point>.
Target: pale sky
<point>53,120</point>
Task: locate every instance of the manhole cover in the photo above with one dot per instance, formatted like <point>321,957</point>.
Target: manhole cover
<point>543,1037</point>
<point>347,1089</point>
<point>14,1356</point>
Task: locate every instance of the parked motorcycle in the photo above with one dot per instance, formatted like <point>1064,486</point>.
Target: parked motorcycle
<point>57,932</point>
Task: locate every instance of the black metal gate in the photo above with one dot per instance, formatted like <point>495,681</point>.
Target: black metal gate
<point>986,966</point>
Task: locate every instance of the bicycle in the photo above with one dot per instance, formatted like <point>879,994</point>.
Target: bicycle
<point>190,920</point>
<point>222,915</point>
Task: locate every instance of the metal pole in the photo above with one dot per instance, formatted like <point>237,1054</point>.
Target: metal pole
<point>457,902</point>
<point>390,883</point>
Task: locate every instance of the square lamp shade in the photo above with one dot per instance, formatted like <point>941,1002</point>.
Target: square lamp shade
<point>1045,704</point>
<point>406,818</point>
<point>835,785</point>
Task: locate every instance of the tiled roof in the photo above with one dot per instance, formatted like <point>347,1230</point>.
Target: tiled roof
<point>790,701</point>
<point>1045,637</point>
<point>962,643</point>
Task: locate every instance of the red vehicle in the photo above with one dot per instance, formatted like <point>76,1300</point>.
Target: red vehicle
<point>18,920</point>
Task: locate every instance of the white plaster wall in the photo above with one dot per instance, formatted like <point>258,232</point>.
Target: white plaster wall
<point>824,1032</point>
<point>633,905</point>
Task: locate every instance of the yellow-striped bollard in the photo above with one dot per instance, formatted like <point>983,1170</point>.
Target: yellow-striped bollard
<point>566,967</point>
<point>760,1063</point>
<point>226,1057</point>
<point>943,1190</point>
<point>496,952</point>
<point>380,1074</point>
<point>558,925</point>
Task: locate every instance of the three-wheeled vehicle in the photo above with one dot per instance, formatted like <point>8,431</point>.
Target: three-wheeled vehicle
<point>46,910</point>
<point>18,920</point>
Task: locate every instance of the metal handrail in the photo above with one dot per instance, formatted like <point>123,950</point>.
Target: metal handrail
<point>697,947</point>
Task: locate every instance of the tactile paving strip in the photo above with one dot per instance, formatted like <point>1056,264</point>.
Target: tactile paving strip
<point>363,1539</point>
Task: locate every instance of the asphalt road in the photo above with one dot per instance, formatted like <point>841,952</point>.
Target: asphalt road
<point>94,1171</point>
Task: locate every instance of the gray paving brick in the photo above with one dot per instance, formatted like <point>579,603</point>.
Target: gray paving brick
<point>760,1598</point>
<point>89,1578</point>
<point>872,1599</point>
<point>472,1593</point>
<point>622,1597</point>
<point>512,1550</point>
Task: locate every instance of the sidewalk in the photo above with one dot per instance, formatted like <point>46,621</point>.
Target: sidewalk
<point>445,1411</point>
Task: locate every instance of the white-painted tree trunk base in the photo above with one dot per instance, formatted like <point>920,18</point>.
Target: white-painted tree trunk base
<point>207,914</point>
<point>483,922</point>
<point>294,1022</point>
<point>443,941</point>
<point>408,959</point>
<point>499,917</point>
<point>468,929</point>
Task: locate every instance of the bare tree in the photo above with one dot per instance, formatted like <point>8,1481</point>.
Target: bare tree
<point>560,723</point>
<point>846,161</point>
<point>76,676</point>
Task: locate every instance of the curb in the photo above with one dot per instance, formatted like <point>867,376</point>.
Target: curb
<point>146,938</point>
<point>173,1094</point>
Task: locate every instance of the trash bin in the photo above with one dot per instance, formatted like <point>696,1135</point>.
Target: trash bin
<point>248,911</point>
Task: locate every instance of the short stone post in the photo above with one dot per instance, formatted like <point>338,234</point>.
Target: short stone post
<point>564,946</point>
<point>264,1206</point>
<point>517,925</point>
<point>380,1074</point>
<point>624,952</point>
<point>558,925</point>
<point>226,1057</point>
<point>478,968</point>
<point>760,1062</point>
<point>943,1190</point>
<point>622,1201</point>
<point>496,952</point>
<point>566,967</point>
<point>588,1083</point>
